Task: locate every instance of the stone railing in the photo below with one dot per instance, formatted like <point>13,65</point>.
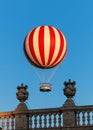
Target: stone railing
<point>53,118</point>
<point>46,118</point>
<point>7,121</point>
<point>84,116</point>
<point>49,118</point>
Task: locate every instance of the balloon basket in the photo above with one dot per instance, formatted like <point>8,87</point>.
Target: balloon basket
<point>45,87</point>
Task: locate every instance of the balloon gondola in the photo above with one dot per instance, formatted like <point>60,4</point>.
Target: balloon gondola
<point>45,47</point>
<point>45,87</point>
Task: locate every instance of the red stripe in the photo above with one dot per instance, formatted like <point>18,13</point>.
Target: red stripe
<point>61,58</point>
<point>52,44</point>
<point>26,54</point>
<point>31,47</point>
<point>41,44</point>
<point>61,48</point>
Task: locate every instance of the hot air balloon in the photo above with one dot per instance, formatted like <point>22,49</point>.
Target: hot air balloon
<point>45,47</point>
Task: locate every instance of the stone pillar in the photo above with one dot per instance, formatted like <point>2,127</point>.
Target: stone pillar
<point>21,112</point>
<point>69,119</point>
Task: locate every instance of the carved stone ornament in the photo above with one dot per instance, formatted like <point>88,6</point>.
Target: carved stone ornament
<point>69,90</point>
<point>22,94</point>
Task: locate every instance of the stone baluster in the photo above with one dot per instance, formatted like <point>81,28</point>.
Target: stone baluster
<point>59,119</point>
<point>45,121</point>
<point>88,118</point>
<point>40,121</point>
<point>49,120</point>
<point>12,123</point>
<point>3,123</point>
<point>7,123</point>
<point>78,118</point>
<point>92,118</point>
<point>30,121</point>
<point>35,121</point>
<point>83,118</point>
<point>54,120</point>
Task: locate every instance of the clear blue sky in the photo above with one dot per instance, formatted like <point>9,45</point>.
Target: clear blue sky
<point>75,19</point>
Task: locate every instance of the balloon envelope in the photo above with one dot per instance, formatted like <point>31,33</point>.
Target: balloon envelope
<point>45,46</point>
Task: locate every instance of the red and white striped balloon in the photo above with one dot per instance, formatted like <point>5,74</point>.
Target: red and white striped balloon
<point>45,46</point>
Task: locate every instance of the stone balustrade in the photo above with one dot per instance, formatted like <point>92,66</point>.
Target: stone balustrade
<point>84,115</point>
<point>45,118</point>
<point>53,118</point>
<point>7,121</point>
<point>49,118</point>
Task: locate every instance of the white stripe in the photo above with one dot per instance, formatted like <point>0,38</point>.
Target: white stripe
<point>36,45</point>
<point>57,45</point>
<point>63,52</point>
<point>28,49</point>
<point>46,44</point>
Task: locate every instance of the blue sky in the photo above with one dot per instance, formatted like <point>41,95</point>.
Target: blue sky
<point>75,19</point>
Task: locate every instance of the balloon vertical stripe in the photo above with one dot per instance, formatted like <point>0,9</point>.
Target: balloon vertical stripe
<point>46,44</point>
<point>63,52</point>
<point>60,48</point>
<point>41,44</point>
<point>36,45</point>
<point>32,47</point>
<point>57,47</point>
<point>27,49</point>
<point>52,44</point>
